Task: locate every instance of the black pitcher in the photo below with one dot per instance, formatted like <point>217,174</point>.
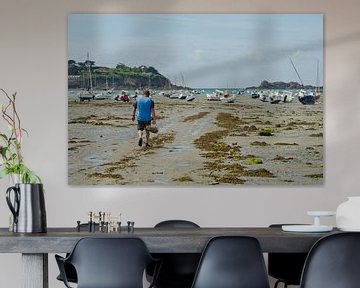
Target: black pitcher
<point>28,207</point>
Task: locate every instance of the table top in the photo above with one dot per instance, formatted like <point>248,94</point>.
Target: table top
<point>158,240</point>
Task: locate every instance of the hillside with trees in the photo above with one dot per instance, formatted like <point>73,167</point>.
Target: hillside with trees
<point>120,77</point>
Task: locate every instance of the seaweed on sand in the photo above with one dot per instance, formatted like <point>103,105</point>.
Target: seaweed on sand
<point>316,135</point>
<point>286,144</point>
<point>259,173</point>
<point>315,176</point>
<point>229,121</point>
<point>196,116</point>
<point>159,140</point>
<point>230,179</point>
<point>112,169</point>
<point>225,166</point>
<point>258,143</point>
<point>106,175</point>
<point>184,179</point>
<point>100,120</point>
<point>283,159</point>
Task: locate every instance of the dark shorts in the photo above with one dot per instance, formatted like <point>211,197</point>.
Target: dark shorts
<point>142,124</point>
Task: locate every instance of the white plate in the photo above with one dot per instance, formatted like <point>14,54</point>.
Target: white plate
<point>350,229</point>
<point>306,228</point>
<point>321,213</point>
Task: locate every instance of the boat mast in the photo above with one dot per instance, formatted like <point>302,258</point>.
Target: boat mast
<point>89,70</point>
<point>297,73</point>
<point>317,77</point>
<point>183,80</point>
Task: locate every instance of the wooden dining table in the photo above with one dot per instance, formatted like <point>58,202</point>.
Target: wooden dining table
<point>35,247</point>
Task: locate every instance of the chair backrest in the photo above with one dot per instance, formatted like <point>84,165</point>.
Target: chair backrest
<point>333,262</point>
<point>178,269</point>
<point>232,262</point>
<point>110,262</point>
<point>287,267</point>
<point>176,224</point>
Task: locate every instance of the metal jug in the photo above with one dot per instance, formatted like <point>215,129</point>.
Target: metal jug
<point>28,207</point>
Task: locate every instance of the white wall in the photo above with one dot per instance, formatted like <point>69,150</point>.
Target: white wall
<point>33,62</point>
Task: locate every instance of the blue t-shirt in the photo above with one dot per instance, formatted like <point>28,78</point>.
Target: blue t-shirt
<point>143,105</point>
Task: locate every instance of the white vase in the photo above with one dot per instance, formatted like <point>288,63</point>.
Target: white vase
<point>348,215</point>
<point>14,179</point>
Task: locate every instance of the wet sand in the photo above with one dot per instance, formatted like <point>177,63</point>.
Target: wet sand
<point>248,142</point>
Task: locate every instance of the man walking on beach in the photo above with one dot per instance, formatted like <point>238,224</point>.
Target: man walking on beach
<point>144,108</point>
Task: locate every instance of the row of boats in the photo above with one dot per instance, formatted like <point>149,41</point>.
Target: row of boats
<point>271,96</point>
<point>285,96</point>
<point>88,95</point>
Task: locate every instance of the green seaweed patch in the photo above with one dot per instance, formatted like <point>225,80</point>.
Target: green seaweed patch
<point>286,144</point>
<point>196,116</point>
<point>266,132</point>
<point>316,135</point>
<point>315,176</point>
<point>184,179</point>
<point>259,143</point>
<point>254,160</point>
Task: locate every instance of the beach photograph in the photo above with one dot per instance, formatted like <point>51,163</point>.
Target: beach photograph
<point>233,99</point>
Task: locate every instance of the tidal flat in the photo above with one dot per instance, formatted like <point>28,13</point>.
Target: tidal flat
<point>247,142</point>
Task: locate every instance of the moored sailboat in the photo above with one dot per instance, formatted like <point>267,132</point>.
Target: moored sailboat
<point>88,94</point>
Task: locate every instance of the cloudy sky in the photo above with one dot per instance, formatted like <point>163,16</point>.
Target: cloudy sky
<point>206,50</point>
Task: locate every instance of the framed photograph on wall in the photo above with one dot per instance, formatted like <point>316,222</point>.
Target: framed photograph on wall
<point>195,99</point>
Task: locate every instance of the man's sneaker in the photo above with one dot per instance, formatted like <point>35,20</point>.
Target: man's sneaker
<point>147,145</point>
<point>140,142</point>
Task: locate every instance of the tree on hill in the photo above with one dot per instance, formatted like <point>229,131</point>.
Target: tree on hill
<point>122,75</point>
